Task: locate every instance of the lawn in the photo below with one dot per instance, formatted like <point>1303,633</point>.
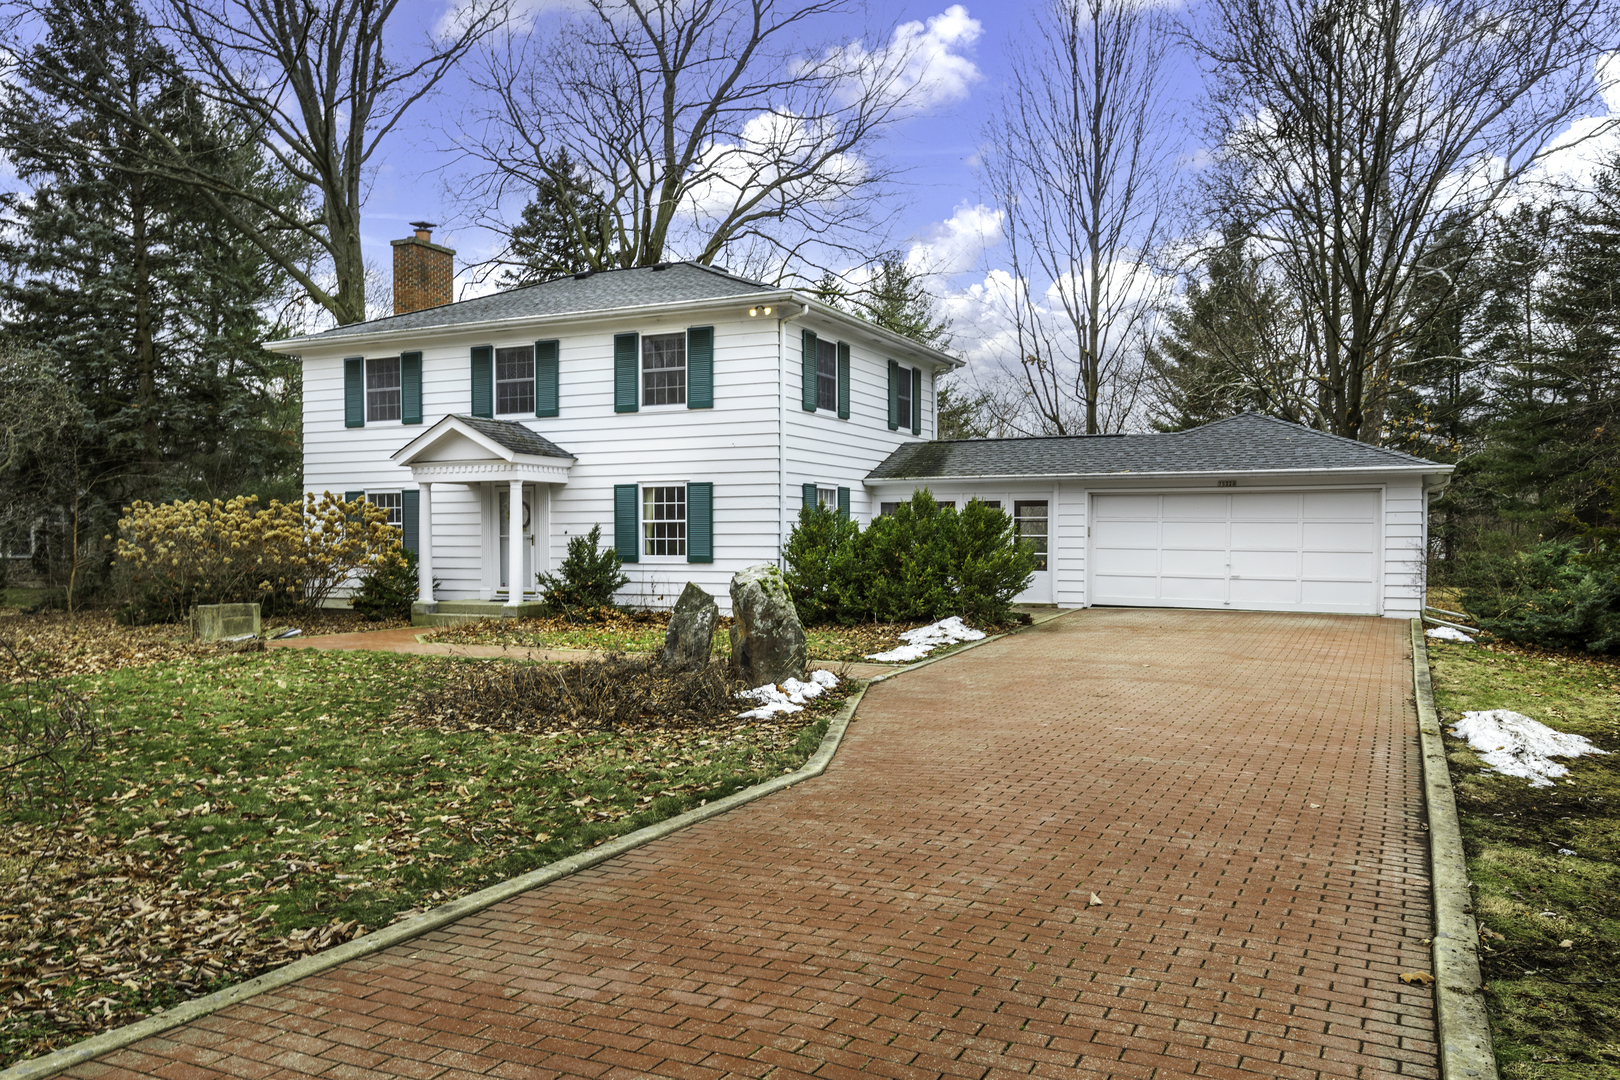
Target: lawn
<point>244,810</point>
<point>1554,1007</point>
<point>643,632</point>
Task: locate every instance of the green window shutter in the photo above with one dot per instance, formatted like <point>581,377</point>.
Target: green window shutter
<point>545,378</point>
<point>410,512</point>
<point>916,401</point>
<point>410,388</point>
<point>700,522</point>
<point>354,391</point>
<point>350,496</point>
<point>809,496</point>
<point>807,370</point>
<point>627,521</point>
<point>843,380</point>
<point>894,396</point>
<point>700,369</point>
<point>483,381</point>
<point>626,365</point>
<point>843,504</point>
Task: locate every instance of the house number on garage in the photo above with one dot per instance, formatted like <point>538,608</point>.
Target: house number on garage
<point>1226,483</point>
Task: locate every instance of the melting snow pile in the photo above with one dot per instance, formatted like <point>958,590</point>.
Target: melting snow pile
<point>1515,745</point>
<point>1446,633</point>
<point>787,698</point>
<point>925,639</point>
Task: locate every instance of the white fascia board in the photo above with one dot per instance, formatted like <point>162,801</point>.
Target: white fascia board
<point>451,423</point>
<point>1213,474</point>
<point>350,343</point>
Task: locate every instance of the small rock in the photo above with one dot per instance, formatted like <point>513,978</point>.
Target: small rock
<point>767,639</point>
<point>690,636</point>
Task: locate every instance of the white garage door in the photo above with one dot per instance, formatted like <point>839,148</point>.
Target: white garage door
<point>1264,551</point>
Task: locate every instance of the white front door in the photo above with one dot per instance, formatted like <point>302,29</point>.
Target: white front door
<point>504,516</point>
<point>1032,521</point>
<point>1258,551</point>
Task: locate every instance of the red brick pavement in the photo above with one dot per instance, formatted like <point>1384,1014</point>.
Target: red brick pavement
<point>1241,790</point>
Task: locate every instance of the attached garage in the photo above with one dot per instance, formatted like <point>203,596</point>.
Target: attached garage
<point>1249,513</point>
<point>1254,550</point>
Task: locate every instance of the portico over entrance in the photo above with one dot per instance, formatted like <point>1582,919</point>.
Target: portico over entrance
<point>512,471</point>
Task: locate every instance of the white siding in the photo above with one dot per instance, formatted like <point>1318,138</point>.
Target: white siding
<point>1404,566</point>
<point>735,445</point>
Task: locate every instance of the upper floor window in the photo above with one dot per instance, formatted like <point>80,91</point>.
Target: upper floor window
<point>903,404</point>
<point>382,388</point>
<point>663,369</point>
<point>826,374</point>
<point>514,380</point>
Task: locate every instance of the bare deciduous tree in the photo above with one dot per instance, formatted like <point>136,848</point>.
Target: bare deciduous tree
<point>1076,160</point>
<point>704,127</point>
<point>1355,136</point>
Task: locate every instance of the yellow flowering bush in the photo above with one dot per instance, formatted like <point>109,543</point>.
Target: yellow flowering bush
<point>173,555</point>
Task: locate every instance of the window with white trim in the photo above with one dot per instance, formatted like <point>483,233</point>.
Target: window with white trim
<point>663,369</point>
<point>827,498</point>
<point>903,397</point>
<point>887,508</point>
<point>826,375</point>
<point>391,501</point>
<point>1030,522</point>
<point>383,385</point>
<point>663,520</point>
<point>514,380</point>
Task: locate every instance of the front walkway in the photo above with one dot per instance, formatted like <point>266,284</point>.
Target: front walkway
<point>1240,791</point>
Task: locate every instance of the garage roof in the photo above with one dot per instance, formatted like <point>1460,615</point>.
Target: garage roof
<point>1246,443</point>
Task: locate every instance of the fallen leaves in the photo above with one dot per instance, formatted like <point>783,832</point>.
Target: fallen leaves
<point>1417,978</point>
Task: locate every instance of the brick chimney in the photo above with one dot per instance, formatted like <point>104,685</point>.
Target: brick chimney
<point>424,272</point>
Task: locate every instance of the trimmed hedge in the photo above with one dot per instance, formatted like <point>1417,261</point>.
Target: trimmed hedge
<point>923,562</point>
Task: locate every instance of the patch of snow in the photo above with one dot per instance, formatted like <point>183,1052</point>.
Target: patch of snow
<point>1566,851</point>
<point>1515,745</point>
<point>1446,633</point>
<point>925,639</point>
<point>787,698</point>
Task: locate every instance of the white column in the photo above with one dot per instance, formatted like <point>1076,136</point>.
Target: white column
<point>424,544</point>
<point>514,544</point>
<point>542,529</point>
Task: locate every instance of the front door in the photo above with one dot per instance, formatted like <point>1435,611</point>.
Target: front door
<point>504,516</point>
<point>1032,522</point>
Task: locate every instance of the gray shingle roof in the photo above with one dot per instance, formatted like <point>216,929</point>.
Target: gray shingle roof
<point>1245,443</point>
<point>602,291</point>
<point>514,436</point>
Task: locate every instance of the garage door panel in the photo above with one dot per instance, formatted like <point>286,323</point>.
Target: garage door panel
<point>1268,551</point>
<point>1122,587</point>
<point>1338,536</point>
<point>1126,508</point>
<point>1117,560</point>
<point>1195,507</point>
<point>1259,592</point>
<point>1189,589</point>
<point>1266,535</point>
<point>1194,535</point>
<point>1338,565</point>
<point>1266,564</point>
<point>1341,506</point>
<point>1265,506</point>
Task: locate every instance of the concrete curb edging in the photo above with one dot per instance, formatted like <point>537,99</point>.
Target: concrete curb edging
<point>406,929</point>
<point>434,919</point>
<point>1464,1029</point>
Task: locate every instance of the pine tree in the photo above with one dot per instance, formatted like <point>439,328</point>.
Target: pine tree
<point>565,228</point>
<point>898,300</point>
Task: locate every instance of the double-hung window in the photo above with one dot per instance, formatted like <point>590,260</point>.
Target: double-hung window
<point>827,498</point>
<point>382,388</point>
<point>514,380</point>
<point>391,501</point>
<point>903,397</point>
<point>663,369</point>
<point>826,374</point>
<point>663,520</point>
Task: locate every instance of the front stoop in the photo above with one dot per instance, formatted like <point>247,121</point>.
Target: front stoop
<point>456,612</point>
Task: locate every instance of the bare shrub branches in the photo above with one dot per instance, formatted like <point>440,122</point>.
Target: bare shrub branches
<point>42,727</point>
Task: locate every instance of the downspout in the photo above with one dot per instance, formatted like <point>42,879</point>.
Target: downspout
<point>781,429</point>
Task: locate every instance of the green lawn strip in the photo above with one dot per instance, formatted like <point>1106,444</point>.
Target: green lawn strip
<point>245,810</point>
<point>1555,1011</point>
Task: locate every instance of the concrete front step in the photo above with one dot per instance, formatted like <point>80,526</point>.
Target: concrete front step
<point>455,612</point>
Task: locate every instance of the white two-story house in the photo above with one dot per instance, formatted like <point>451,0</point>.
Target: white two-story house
<point>690,413</point>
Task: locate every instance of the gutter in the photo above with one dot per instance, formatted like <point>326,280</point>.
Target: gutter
<point>781,427</point>
<point>1225,474</point>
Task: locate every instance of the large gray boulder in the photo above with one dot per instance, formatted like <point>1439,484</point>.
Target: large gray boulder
<point>691,628</point>
<point>767,639</point>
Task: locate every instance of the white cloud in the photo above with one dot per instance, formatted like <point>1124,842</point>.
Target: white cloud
<point>922,62</point>
<point>956,245</point>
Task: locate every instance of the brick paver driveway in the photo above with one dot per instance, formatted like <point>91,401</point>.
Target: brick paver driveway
<point>1240,790</point>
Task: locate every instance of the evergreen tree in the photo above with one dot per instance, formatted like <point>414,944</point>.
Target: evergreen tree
<point>898,300</point>
<point>565,228</point>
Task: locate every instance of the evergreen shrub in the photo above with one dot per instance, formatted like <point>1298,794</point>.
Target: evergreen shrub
<point>925,561</point>
<point>389,588</point>
<point>589,576</point>
<point>1554,595</point>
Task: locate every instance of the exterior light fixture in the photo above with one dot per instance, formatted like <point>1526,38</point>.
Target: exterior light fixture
<point>754,311</point>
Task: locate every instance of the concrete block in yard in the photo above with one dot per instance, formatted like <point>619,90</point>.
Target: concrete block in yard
<point>217,622</point>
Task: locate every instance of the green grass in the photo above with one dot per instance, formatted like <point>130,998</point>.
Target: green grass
<point>282,790</point>
<point>1555,1011</point>
<point>20,597</point>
